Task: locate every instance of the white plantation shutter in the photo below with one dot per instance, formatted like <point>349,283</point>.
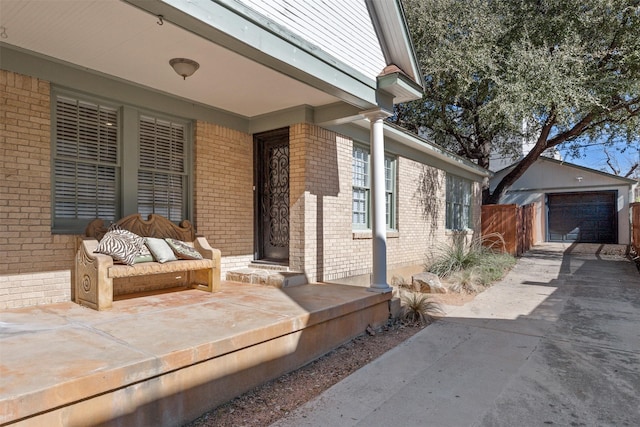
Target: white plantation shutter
<point>85,161</point>
<point>96,158</point>
<point>162,172</point>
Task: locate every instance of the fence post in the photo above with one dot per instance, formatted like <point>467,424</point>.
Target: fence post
<point>635,226</point>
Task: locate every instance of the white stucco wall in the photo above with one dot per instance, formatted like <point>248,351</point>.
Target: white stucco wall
<point>550,176</point>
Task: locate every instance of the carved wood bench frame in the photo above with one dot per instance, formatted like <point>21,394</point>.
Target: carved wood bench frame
<point>95,273</point>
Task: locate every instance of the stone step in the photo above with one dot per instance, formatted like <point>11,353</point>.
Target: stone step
<point>269,277</point>
<point>269,266</point>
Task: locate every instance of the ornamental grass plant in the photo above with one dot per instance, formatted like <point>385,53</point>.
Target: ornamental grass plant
<point>470,267</point>
<point>419,308</point>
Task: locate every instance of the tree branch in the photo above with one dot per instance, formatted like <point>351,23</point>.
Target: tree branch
<point>521,167</point>
<point>631,169</point>
<point>616,171</point>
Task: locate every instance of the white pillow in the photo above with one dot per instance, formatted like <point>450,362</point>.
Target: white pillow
<point>160,249</point>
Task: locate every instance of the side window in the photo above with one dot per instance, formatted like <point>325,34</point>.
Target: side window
<point>360,188</point>
<point>458,202</point>
<point>361,203</point>
<point>390,191</point>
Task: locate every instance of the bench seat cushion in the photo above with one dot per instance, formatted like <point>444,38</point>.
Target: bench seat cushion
<point>143,269</point>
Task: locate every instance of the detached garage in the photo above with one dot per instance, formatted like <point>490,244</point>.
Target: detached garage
<point>573,203</point>
<point>588,217</point>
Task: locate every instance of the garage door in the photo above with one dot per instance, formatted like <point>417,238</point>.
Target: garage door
<point>583,217</point>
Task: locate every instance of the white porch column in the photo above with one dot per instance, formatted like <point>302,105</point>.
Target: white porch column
<point>378,204</point>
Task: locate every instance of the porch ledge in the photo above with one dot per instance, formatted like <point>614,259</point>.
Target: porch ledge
<point>179,353</point>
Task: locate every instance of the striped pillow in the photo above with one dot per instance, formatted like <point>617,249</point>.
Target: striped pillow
<point>121,245</point>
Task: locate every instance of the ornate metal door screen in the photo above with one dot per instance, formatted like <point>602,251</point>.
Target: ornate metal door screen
<point>274,198</point>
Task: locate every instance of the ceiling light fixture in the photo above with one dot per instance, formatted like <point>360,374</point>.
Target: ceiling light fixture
<point>184,67</point>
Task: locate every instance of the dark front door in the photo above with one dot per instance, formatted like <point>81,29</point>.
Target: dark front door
<point>272,200</point>
<point>588,217</point>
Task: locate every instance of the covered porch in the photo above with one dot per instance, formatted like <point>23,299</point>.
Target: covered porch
<point>163,359</point>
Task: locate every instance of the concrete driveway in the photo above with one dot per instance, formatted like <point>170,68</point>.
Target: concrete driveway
<point>557,342</point>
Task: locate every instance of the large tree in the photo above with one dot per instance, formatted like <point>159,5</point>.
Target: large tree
<point>551,71</point>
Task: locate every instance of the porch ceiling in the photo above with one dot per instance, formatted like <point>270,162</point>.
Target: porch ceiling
<point>117,39</point>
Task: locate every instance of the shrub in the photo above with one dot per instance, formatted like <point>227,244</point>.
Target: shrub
<point>470,267</point>
<point>466,281</point>
<point>454,257</point>
<point>493,267</point>
<point>418,308</point>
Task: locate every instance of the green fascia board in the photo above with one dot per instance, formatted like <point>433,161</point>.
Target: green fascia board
<point>281,118</point>
<point>400,142</point>
<point>406,138</point>
<point>239,29</point>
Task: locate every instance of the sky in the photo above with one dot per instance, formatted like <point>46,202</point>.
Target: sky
<point>593,156</point>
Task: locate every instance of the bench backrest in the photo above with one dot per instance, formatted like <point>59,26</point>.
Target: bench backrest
<point>155,226</point>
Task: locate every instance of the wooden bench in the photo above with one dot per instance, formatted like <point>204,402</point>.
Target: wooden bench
<point>98,277</point>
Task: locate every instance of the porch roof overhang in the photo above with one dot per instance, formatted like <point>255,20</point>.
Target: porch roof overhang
<point>249,66</point>
<point>238,29</point>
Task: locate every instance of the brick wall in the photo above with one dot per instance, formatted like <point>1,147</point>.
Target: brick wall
<point>323,243</point>
<point>421,213</point>
<point>297,199</point>
<point>223,192</point>
<point>321,240</point>
<point>36,265</point>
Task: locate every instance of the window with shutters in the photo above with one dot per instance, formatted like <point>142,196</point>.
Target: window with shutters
<point>162,172</point>
<point>361,213</point>
<point>85,164</point>
<point>103,169</point>
<point>458,203</point>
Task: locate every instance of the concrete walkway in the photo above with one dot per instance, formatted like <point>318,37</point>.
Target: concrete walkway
<point>557,342</point>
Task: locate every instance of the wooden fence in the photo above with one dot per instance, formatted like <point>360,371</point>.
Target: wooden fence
<point>516,225</point>
<point>635,226</point>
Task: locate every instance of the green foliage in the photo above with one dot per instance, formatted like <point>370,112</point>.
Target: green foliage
<point>466,281</point>
<point>493,267</point>
<point>418,308</point>
<point>454,257</point>
<point>470,267</point>
<point>568,69</point>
